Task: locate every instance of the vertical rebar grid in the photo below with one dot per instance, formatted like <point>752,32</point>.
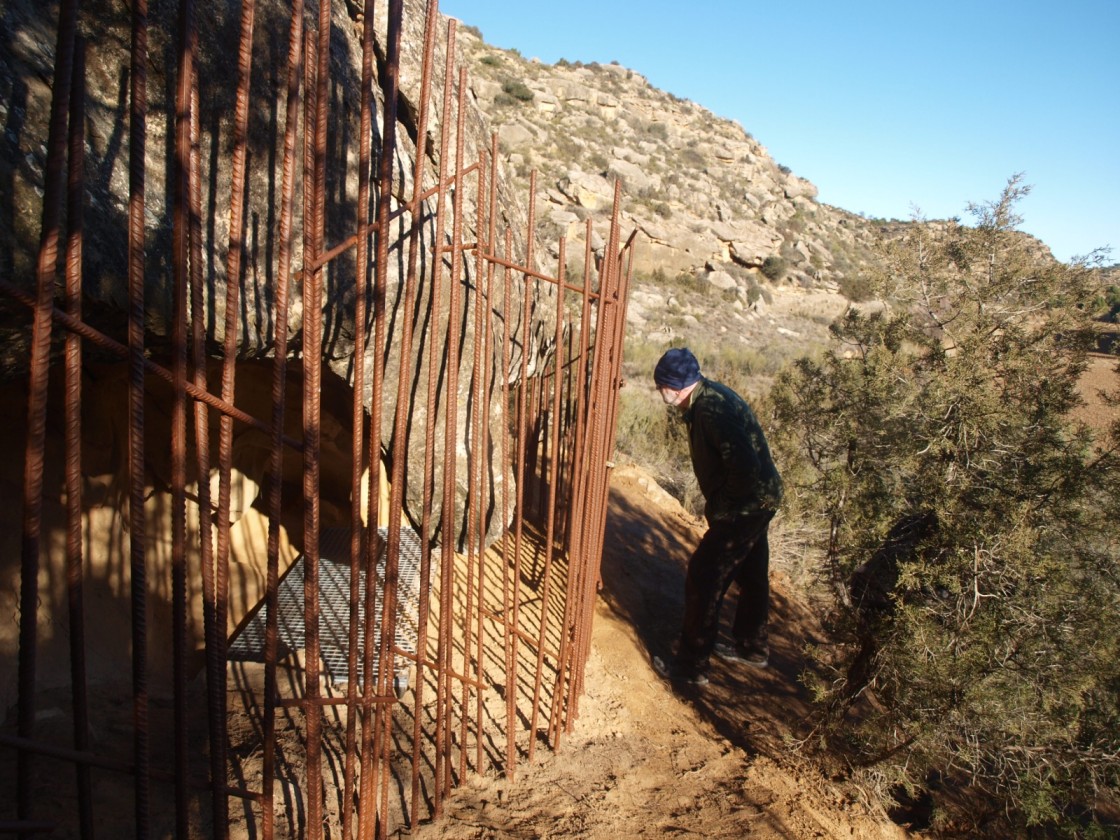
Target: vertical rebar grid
<point>481,396</point>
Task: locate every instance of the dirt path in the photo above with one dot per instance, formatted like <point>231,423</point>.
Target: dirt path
<point>645,762</point>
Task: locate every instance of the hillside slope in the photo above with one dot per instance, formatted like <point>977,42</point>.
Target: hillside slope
<point>708,200</point>
<point>721,227</point>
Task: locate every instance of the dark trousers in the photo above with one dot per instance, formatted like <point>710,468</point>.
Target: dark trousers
<point>734,550</point>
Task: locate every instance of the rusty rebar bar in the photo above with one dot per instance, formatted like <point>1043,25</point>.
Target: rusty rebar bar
<point>509,608</point>
<point>451,418</point>
<point>400,420</point>
<point>138,117</point>
<point>491,310</point>
<point>235,247</point>
<point>358,425</point>
<point>561,700</point>
<point>581,463</point>
<point>520,471</point>
<point>75,588</point>
<point>551,447</point>
<point>295,74</point>
<point>484,270</point>
<point>474,476</point>
<point>383,717</point>
<point>49,236</point>
<point>215,661</point>
<point>180,255</point>
<point>312,352</point>
<point>442,662</point>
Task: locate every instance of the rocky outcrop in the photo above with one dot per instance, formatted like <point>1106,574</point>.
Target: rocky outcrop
<point>27,46</point>
<point>705,195</point>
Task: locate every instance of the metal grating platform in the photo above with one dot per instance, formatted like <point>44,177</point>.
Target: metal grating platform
<point>334,607</point>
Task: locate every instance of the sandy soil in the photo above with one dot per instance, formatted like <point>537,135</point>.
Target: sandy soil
<point>643,761</point>
<point>1100,378</point>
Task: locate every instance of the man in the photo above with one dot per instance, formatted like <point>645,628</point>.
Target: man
<point>742,490</point>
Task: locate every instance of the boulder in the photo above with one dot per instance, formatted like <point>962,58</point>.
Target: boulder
<point>26,64</point>
<point>748,243</point>
<point>592,192</point>
<point>27,58</point>
<point>721,280</point>
<point>515,136</point>
<point>634,177</point>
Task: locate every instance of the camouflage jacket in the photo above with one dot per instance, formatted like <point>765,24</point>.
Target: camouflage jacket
<point>729,453</point>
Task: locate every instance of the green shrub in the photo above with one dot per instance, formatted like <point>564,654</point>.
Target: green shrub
<point>517,90</point>
<point>774,268</point>
<point>938,455</point>
<point>791,255</point>
<point>1107,305</point>
<point>856,287</point>
<point>693,158</point>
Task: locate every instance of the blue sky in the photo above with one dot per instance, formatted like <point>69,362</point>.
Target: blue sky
<point>891,108</point>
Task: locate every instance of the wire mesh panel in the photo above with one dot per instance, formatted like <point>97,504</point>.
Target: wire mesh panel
<point>334,608</point>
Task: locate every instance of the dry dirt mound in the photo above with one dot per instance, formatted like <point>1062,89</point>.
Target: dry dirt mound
<point>645,762</point>
<point>1100,378</point>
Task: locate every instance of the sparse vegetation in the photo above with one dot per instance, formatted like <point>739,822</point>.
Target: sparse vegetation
<point>692,157</point>
<point>970,535</point>
<point>517,90</point>
<point>774,268</point>
<point>1108,304</point>
<point>856,287</point>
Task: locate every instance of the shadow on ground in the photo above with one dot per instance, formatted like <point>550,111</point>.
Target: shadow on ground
<point>645,553</point>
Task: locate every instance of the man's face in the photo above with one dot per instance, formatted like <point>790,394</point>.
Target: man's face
<point>671,396</point>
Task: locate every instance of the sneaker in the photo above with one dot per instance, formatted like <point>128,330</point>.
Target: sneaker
<point>673,672</point>
<point>755,654</point>
<point>695,679</point>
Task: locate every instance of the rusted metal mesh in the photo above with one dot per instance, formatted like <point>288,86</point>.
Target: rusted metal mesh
<point>382,665</point>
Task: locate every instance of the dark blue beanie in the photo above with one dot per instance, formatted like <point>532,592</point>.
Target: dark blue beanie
<point>677,369</point>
